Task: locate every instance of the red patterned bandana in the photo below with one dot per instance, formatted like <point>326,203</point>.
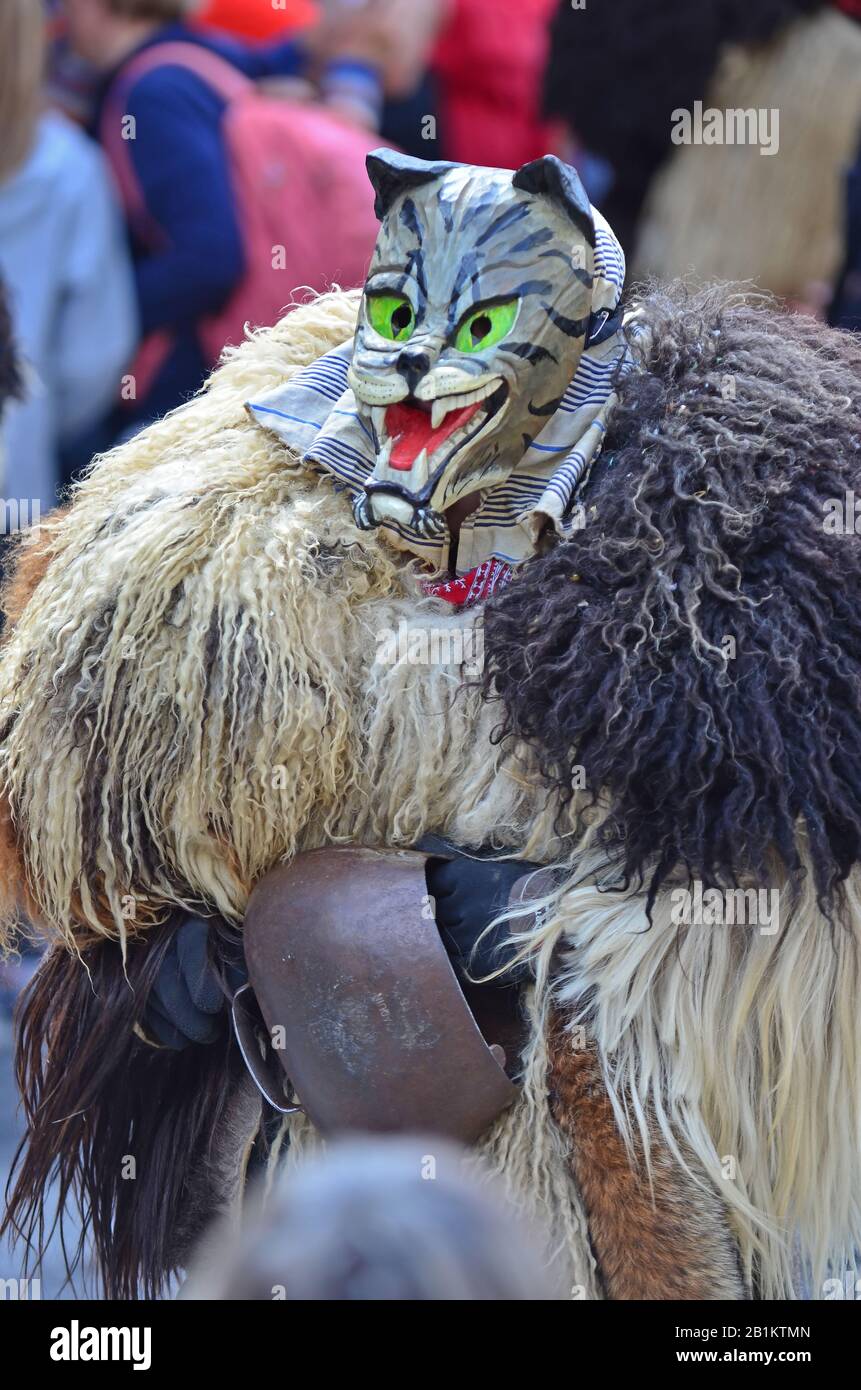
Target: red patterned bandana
<point>471,588</point>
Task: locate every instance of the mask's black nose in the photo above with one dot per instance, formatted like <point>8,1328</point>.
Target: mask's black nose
<point>412,364</point>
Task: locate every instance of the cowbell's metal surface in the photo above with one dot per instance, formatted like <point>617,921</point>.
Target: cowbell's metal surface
<point>356,990</point>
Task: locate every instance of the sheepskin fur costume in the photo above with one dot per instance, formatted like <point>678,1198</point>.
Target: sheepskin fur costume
<point>190,691</point>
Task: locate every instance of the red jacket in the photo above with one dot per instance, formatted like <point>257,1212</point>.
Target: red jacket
<point>489,64</point>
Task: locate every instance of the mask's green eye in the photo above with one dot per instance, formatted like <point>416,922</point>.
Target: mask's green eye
<point>486,326</point>
<point>392,316</point>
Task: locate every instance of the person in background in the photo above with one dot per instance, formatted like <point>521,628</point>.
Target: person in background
<point>662,58</point>
<point>411,117</point>
<point>345,37</point>
<point>394,37</point>
<point>488,66</point>
<point>64,260</point>
<point>376,1219</point>
<point>766,207</point>
<point>187,245</point>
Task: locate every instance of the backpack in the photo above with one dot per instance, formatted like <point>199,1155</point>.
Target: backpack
<point>304,203</point>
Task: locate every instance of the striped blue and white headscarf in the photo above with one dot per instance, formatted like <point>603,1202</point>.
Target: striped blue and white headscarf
<point>316,414</point>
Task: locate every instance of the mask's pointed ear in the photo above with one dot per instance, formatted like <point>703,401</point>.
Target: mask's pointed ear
<point>550,177</point>
<point>392,173</point>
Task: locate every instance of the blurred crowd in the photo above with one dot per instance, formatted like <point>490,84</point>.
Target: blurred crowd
<point>148,148</point>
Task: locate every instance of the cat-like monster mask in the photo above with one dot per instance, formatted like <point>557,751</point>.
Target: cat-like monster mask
<point>475,314</point>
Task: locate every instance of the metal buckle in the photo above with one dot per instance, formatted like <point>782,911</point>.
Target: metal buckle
<point>258,1053</point>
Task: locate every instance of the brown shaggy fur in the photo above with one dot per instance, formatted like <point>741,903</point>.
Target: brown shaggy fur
<point>664,1240</point>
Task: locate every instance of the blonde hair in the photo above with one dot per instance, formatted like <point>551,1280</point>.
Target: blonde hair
<point>22,60</point>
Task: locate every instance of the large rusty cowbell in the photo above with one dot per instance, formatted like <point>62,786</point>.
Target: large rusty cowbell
<point>354,985</point>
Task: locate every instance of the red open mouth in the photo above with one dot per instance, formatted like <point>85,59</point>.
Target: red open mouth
<point>410,430</point>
